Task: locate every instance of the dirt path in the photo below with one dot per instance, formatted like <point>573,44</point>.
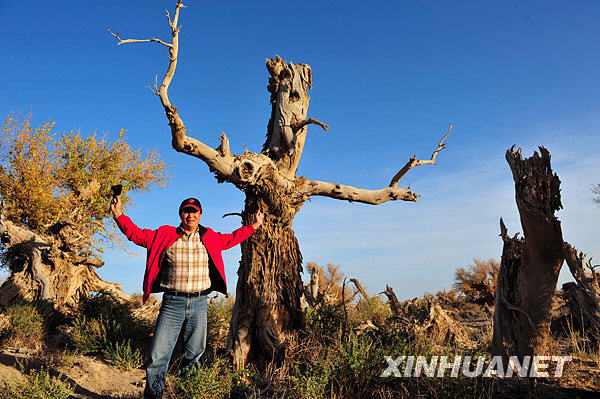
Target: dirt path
<point>88,377</point>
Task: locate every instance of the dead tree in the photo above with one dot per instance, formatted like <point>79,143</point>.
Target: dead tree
<point>530,265</point>
<point>310,294</point>
<point>583,295</point>
<point>267,308</point>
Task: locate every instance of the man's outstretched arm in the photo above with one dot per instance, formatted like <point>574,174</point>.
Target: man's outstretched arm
<point>230,240</point>
<point>131,231</point>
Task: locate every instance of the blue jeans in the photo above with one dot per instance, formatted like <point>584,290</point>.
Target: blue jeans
<point>176,313</point>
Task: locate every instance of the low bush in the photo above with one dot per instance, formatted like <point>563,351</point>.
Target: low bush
<point>108,328</point>
<point>122,355</point>
<point>38,384</point>
<point>25,327</point>
<point>212,381</point>
<point>218,317</point>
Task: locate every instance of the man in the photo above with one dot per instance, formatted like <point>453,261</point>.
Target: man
<point>186,264</point>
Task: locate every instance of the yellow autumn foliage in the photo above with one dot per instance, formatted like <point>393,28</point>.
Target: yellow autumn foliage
<point>47,178</point>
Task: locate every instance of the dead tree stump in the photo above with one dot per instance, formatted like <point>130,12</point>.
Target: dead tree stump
<point>530,265</point>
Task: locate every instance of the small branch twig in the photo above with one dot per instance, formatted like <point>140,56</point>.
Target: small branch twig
<point>414,162</point>
<point>111,237</point>
<point>155,88</point>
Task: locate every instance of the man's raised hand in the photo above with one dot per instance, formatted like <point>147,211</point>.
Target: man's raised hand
<point>259,217</point>
<point>115,206</point>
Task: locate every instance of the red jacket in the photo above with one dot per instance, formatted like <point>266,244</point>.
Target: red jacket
<point>157,242</point>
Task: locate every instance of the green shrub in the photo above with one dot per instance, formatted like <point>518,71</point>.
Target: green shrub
<point>38,384</point>
<point>104,323</point>
<point>54,358</point>
<point>90,336</point>
<point>356,356</point>
<point>213,381</point>
<point>122,355</point>
<point>218,315</point>
<point>372,309</point>
<point>324,320</point>
<point>310,380</point>
<point>26,327</point>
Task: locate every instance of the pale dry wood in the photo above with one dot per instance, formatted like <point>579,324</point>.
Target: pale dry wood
<point>414,162</point>
<point>299,125</point>
<point>393,301</point>
<point>353,194</point>
<point>54,269</point>
<point>373,197</point>
<point>28,244</point>
<point>121,41</point>
<point>286,131</point>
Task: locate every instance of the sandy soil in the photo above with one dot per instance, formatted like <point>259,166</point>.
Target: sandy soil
<point>89,377</point>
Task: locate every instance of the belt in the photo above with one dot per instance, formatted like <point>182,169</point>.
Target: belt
<point>186,294</point>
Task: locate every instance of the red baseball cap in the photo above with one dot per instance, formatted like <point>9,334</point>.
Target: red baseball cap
<point>191,203</point>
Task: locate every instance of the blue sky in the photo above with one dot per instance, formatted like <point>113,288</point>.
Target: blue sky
<point>388,77</point>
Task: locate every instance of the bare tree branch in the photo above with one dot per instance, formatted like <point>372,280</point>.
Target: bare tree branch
<point>217,163</point>
<point>360,288</point>
<point>299,125</point>
<point>373,197</point>
<point>121,41</point>
<point>224,146</point>
<point>393,300</point>
<point>414,162</point>
<point>353,194</point>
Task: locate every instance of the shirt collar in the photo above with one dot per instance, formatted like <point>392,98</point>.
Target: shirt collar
<point>182,232</point>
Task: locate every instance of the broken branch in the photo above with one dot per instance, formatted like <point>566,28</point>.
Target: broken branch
<point>299,125</point>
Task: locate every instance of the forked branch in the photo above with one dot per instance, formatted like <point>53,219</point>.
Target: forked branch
<point>121,41</point>
<point>412,162</point>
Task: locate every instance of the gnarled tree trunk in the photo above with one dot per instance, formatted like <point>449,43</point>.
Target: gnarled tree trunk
<point>267,313</point>
<point>267,309</point>
<point>530,266</point>
<point>47,267</point>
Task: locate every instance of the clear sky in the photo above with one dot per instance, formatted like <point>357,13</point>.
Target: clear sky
<point>388,77</point>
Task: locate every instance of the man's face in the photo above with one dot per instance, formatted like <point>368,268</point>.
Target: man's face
<point>190,218</point>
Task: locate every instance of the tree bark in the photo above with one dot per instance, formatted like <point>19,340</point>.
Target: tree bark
<point>530,266</point>
<point>267,314</point>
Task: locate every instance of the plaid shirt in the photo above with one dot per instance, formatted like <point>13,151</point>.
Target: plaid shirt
<point>186,264</point>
